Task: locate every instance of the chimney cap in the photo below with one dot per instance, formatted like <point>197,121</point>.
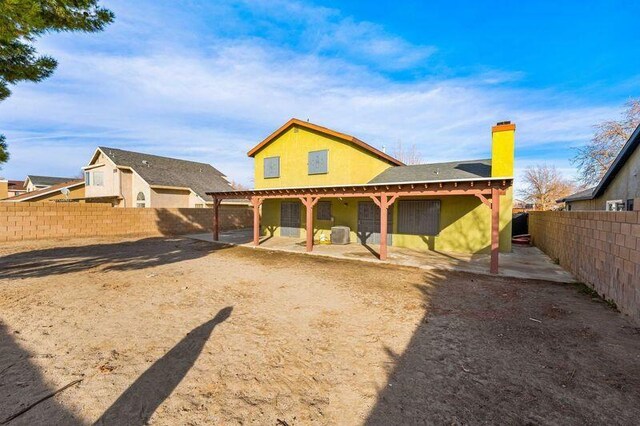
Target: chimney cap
<point>502,126</point>
<point>502,123</point>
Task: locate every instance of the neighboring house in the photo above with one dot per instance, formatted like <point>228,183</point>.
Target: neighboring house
<point>16,187</point>
<point>33,183</point>
<point>4,188</point>
<point>52,193</point>
<point>619,188</point>
<point>134,179</point>
<point>303,167</point>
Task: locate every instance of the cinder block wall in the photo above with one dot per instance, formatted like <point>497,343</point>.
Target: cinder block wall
<point>602,249</point>
<point>34,221</point>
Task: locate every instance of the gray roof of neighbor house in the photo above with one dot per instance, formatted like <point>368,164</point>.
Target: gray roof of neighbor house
<point>585,194</point>
<point>165,171</point>
<point>455,170</point>
<point>48,180</point>
<point>629,147</point>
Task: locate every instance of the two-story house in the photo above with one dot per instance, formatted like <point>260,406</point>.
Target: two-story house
<point>312,175</point>
<point>135,179</point>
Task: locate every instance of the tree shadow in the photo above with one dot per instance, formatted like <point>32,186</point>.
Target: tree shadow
<point>137,404</point>
<point>22,383</point>
<point>122,256</point>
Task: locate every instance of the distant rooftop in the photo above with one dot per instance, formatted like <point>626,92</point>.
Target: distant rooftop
<point>48,180</point>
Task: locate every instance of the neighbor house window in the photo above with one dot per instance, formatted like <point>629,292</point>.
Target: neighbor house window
<point>140,200</point>
<point>323,211</point>
<point>419,217</point>
<point>630,204</point>
<point>615,205</point>
<point>87,178</point>
<point>199,206</point>
<point>318,162</point>
<point>98,178</point>
<point>272,167</point>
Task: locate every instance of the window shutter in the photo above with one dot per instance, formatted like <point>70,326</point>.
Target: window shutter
<point>318,163</point>
<point>272,167</point>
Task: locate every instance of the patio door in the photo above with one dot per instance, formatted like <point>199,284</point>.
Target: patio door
<point>289,219</point>
<point>369,223</point>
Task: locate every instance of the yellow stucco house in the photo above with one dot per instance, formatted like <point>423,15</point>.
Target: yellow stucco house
<point>312,175</point>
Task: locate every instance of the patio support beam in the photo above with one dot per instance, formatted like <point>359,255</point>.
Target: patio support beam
<point>216,218</point>
<point>495,229</point>
<point>309,201</point>
<point>256,202</point>
<point>384,202</point>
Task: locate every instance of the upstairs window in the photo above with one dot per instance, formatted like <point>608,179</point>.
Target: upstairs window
<point>272,167</point>
<point>87,178</point>
<point>323,210</point>
<point>419,217</point>
<point>141,201</point>
<point>318,162</point>
<point>98,178</point>
<point>630,204</point>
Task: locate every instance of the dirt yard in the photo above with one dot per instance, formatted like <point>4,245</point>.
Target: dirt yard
<point>173,331</point>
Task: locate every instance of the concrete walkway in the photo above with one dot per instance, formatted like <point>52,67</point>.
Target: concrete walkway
<point>522,262</point>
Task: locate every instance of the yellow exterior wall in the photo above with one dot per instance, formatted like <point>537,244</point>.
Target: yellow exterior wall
<point>465,224</point>
<point>4,189</point>
<point>347,162</point>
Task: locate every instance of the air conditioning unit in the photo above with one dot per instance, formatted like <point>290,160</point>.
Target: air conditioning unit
<point>340,234</point>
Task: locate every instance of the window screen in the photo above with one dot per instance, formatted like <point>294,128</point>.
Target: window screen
<point>272,167</point>
<point>323,210</point>
<point>318,162</point>
<point>419,217</point>
<point>98,178</point>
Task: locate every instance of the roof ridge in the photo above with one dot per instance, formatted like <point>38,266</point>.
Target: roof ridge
<point>104,148</point>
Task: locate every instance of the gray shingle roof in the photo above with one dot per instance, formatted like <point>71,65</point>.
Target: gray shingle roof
<point>165,171</point>
<point>586,194</point>
<point>48,180</point>
<point>472,169</point>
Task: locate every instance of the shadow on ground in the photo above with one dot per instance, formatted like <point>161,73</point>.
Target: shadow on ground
<point>137,404</point>
<point>492,350</point>
<point>22,384</point>
<point>121,256</point>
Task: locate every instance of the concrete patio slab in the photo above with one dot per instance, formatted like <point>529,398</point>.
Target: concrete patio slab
<point>522,262</point>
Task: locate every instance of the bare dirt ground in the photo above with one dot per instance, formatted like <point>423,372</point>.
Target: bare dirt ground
<point>172,331</point>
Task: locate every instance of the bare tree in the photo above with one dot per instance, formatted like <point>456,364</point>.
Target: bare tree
<point>409,155</point>
<point>544,185</point>
<point>594,159</point>
<point>238,186</point>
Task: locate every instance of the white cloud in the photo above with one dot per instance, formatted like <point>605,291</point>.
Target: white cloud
<point>213,101</point>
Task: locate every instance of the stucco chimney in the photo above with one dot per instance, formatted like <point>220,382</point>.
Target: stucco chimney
<point>502,149</point>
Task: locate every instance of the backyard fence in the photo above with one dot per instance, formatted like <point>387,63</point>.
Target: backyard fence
<point>601,249</point>
<point>36,221</point>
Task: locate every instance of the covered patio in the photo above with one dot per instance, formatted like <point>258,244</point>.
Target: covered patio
<point>383,195</point>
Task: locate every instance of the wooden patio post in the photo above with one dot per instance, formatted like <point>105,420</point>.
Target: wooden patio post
<point>384,202</point>
<point>256,202</point>
<point>495,229</point>
<point>309,202</point>
<point>216,219</point>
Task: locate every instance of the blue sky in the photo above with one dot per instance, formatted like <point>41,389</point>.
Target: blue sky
<point>208,80</point>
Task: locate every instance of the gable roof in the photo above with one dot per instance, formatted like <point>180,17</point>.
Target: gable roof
<point>45,191</point>
<point>618,163</point>
<point>170,172</point>
<point>627,150</point>
<point>455,170</point>
<point>325,131</point>
<point>48,180</point>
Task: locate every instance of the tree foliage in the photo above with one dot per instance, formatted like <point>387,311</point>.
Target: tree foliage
<point>22,21</point>
<point>544,185</point>
<point>593,160</point>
